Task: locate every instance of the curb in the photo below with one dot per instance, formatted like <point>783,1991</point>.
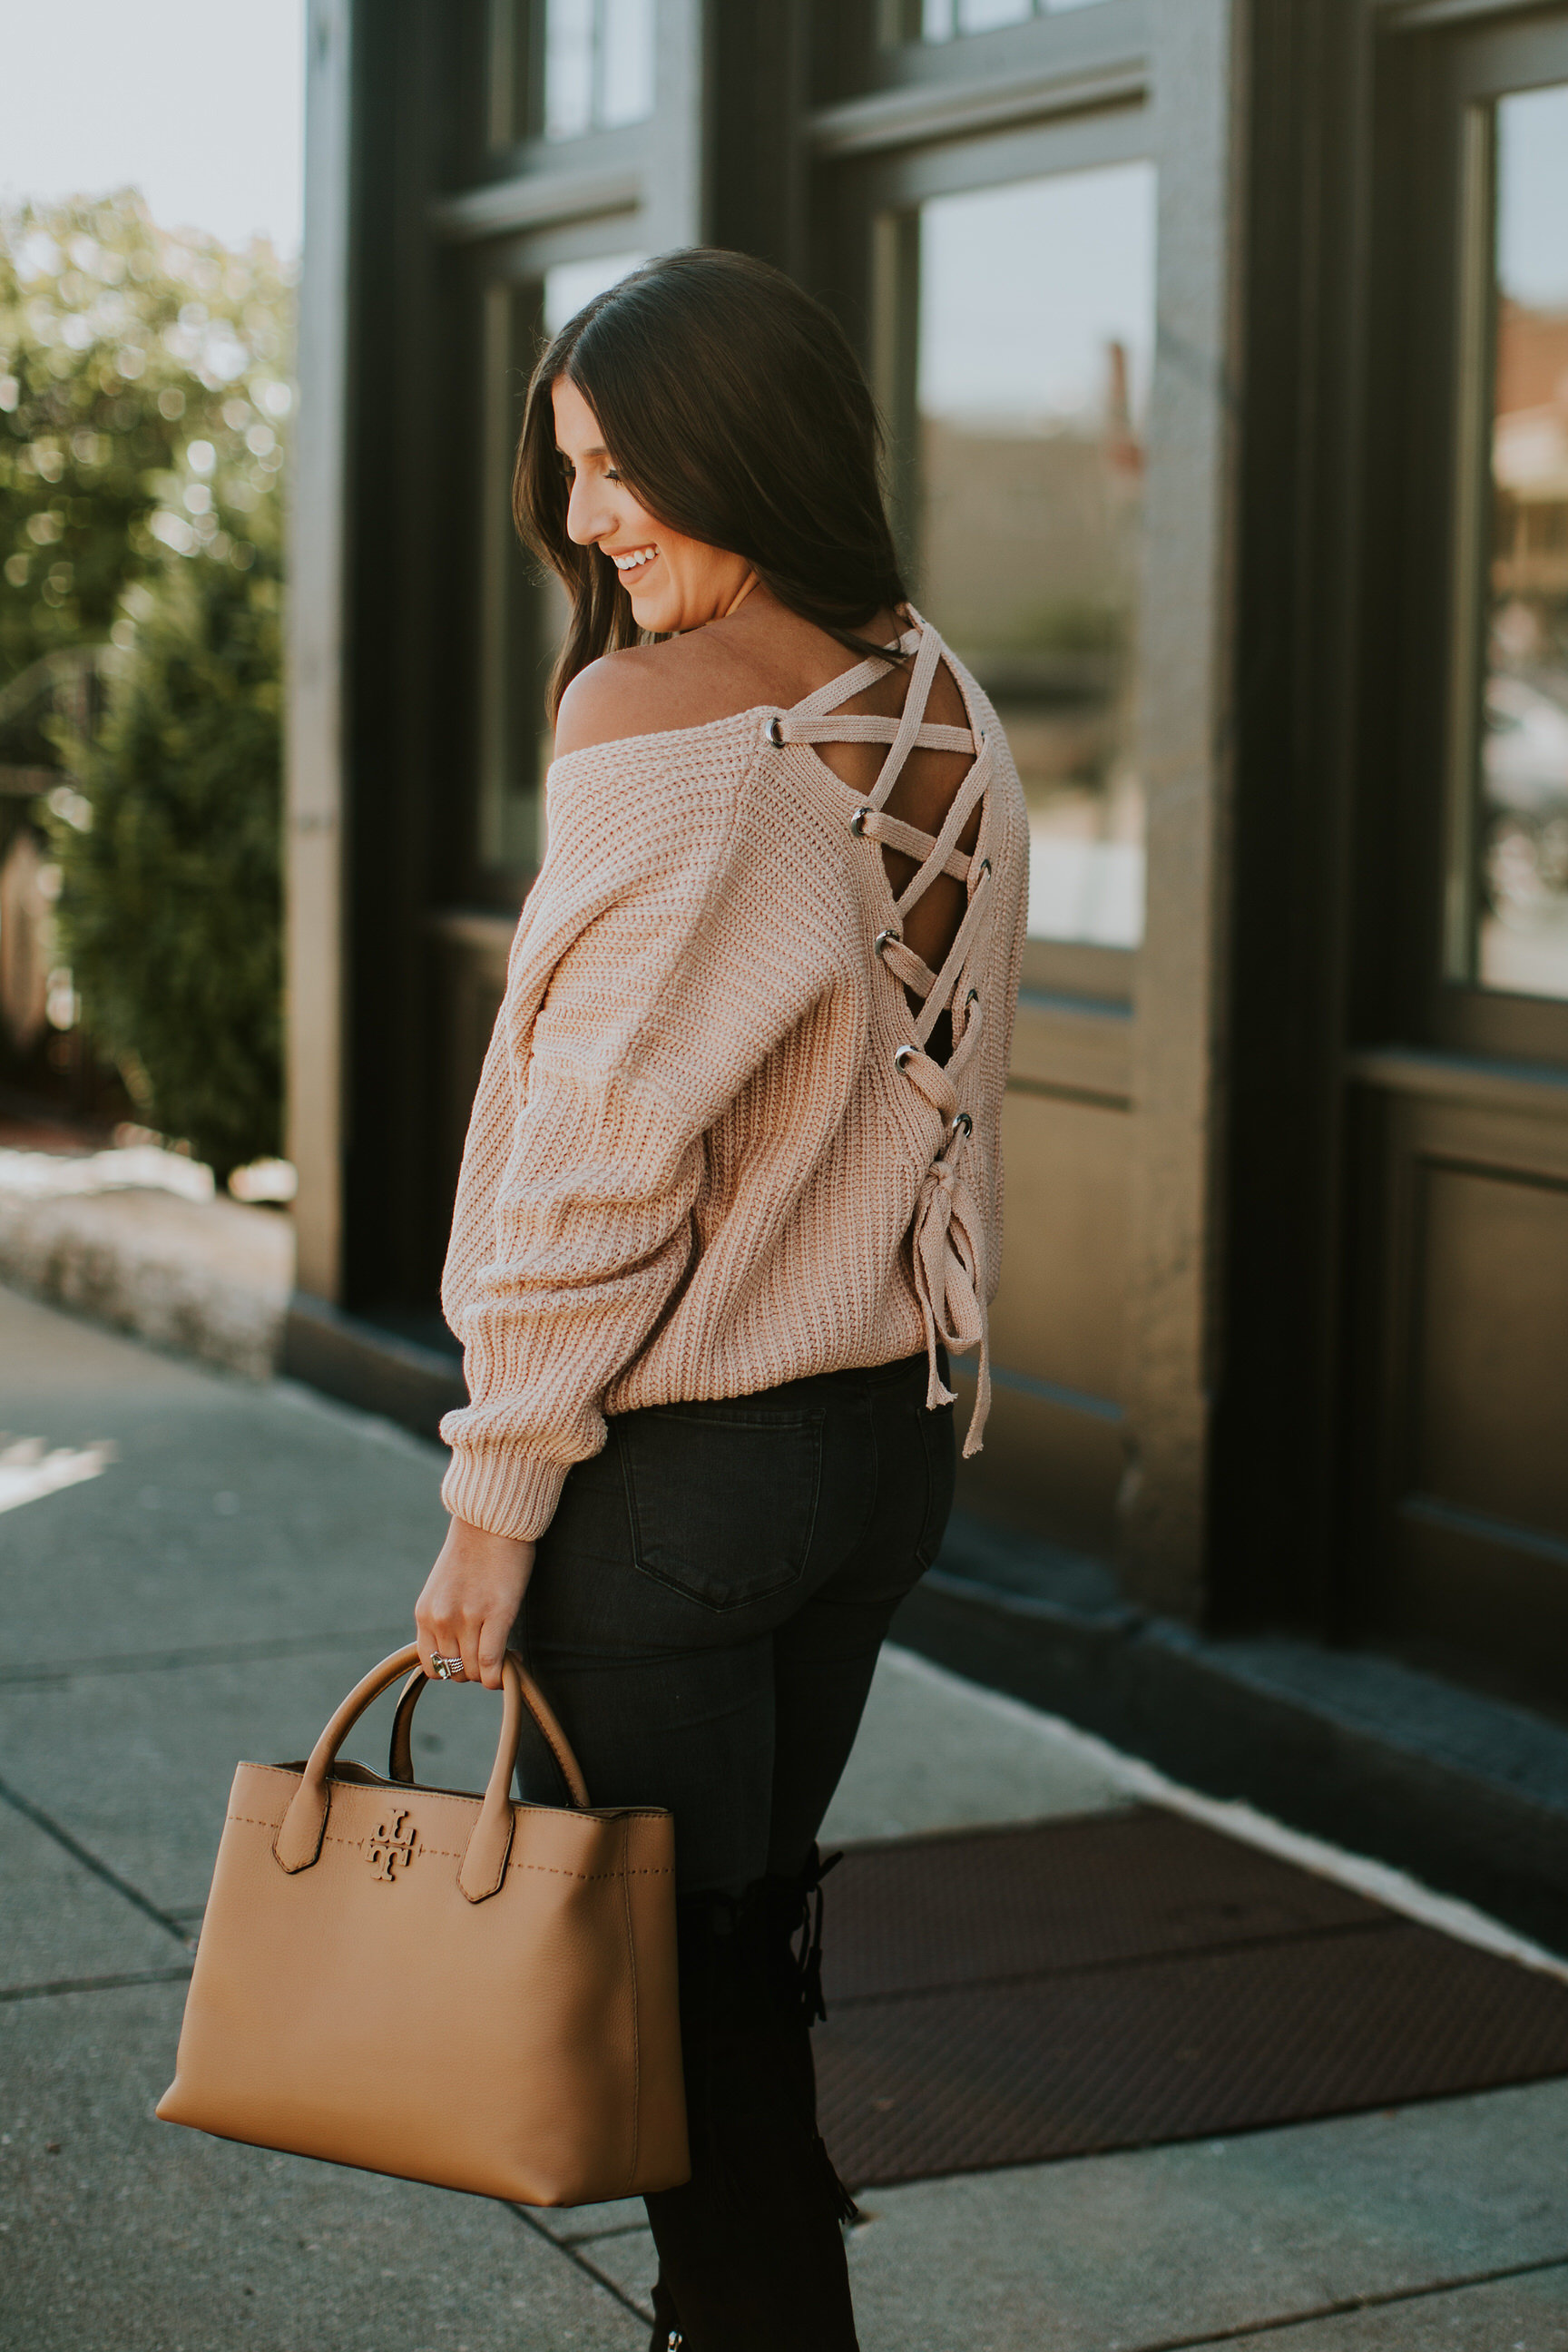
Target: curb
<point>1468,1794</point>
<point>208,1279</point>
<point>362,1365</point>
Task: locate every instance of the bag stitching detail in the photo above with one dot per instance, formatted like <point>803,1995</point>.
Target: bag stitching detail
<point>627,1874</point>
<point>605,1813</point>
<point>454,1854</point>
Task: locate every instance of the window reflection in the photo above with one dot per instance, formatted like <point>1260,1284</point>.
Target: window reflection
<point>948,20</point>
<point>1520,843</point>
<point>566,287</point>
<point>598,65</point>
<point>522,607</point>
<point>572,283</point>
<point>510,680</point>
<point>1034,345</point>
<point>561,68</point>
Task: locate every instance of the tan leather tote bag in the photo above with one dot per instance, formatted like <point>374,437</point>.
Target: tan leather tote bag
<point>463,1991</point>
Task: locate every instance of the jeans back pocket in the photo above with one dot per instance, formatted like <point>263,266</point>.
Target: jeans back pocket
<point>723,1499</point>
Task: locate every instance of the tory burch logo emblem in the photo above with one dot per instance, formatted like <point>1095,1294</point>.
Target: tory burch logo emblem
<point>391,1850</point>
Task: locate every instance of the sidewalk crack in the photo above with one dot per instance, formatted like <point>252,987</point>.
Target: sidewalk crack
<point>590,2270</point>
<point>94,1984</point>
<point>1342,2304</point>
<point>51,1828</point>
<point>217,1653</point>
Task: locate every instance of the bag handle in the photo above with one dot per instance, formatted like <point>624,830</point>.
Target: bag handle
<point>400,1753</point>
<point>482,1870</point>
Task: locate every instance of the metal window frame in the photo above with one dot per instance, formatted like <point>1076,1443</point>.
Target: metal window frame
<point>1468,63</point>
<point>1471,494</point>
<point>1163,80</point>
<point>890,188</point>
<point>705,167</point>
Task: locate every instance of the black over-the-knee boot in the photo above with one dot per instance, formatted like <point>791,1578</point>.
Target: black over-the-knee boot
<point>750,2249</point>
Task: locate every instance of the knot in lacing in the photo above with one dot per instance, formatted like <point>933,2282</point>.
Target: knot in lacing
<point>948,1247</point>
<point>947,1234</point>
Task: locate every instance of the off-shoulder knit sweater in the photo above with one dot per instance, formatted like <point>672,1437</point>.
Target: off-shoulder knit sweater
<point>709,1151</point>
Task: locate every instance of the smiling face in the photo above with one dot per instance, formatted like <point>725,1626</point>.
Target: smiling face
<point>674,583</point>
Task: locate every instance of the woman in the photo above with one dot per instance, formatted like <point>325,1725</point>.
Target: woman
<point>732,1184</point>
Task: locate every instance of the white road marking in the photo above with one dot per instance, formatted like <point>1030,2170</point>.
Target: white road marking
<point>28,1468</point>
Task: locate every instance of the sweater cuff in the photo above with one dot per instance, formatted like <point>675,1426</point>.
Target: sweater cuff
<point>504,1492</point>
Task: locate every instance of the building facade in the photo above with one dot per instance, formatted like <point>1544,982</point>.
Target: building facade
<point>1223,350</point>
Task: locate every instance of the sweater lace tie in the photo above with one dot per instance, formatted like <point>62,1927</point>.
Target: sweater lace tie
<point>947,1235</point>
<point>948,1247</point>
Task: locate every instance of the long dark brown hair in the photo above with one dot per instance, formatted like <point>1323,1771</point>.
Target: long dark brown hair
<point>735,411</point>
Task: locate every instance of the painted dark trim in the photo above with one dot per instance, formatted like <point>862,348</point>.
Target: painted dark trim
<point>1468,1794</point>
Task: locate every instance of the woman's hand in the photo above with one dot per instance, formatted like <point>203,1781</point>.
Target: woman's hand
<point>470,1601</point>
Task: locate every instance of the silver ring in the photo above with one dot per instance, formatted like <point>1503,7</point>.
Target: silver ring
<point>446,1670</point>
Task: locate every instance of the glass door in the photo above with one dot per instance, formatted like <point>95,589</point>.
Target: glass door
<point>1507,878</point>
<point>1462,1311</point>
<point>506,619</point>
<point>1033,346</point>
<point>1011,300</point>
<point>521,606</point>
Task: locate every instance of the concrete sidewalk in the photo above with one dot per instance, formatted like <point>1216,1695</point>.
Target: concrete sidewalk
<point>208,1592</point>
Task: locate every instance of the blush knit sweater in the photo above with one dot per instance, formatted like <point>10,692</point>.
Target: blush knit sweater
<point>709,1151</point>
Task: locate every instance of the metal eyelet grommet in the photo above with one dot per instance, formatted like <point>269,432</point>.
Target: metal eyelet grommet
<point>857,822</point>
<point>962,1120</point>
<point>884,941</point>
<point>904,1056</point>
<point>775,733</point>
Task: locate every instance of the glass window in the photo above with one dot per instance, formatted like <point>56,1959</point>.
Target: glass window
<point>561,68</point>
<point>598,65</point>
<point>523,608</point>
<point>948,20</point>
<point>1516,894</point>
<point>572,283</point>
<point>1032,361</point>
<point>511,666</point>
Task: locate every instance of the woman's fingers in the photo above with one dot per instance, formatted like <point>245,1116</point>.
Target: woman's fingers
<point>461,1635</point>
<point>490,1650</point>
<point>440,1633</point>
<point>452,1636</point>
<point>434,1633</point>
<point>470,1601</point>
<point>425,1636</point>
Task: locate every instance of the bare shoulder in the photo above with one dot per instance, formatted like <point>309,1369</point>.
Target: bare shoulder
<point>686,682</point>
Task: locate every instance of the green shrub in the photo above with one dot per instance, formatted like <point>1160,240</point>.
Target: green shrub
<point>171,898</point>
<point>134,365</point>
<point>143,392</point>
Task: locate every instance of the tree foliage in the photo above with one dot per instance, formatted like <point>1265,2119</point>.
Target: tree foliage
<point>142,390</point>
<point>171,903</point>
<point>142,383</point>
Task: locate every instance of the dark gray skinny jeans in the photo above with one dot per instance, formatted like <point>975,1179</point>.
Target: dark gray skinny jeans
<point>708,1604</point>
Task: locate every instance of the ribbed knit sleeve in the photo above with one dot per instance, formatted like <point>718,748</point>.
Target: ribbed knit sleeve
<point>709,1152</point>
<point>625,1031</point>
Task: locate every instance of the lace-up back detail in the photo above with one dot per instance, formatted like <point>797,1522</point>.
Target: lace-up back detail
<point>733,1129</point>
<point>948,1233</point>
